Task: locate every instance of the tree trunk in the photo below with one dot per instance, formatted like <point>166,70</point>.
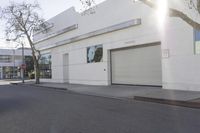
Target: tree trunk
<point>37,69</point>
<point>36,60</point>
<point>37,72</point>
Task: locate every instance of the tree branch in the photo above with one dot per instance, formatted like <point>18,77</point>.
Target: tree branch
<point>184,17</point>
<point>198,6</point>
<point>149,3</point>
<point>177,13</point>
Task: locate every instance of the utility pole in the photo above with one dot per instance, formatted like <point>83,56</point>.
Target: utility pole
<point>23,62</point>
<point>13,63</point>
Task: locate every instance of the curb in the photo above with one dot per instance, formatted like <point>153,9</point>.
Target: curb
<point>96,95</point>
<point>14,83</point>
<point>188,104</point>
<point>73,92</point>
<point>56,88</point>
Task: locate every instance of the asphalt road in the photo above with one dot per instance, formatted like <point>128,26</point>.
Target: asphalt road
<point>42,110</point>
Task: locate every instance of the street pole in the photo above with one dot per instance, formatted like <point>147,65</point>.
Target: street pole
<point>23,62</point>
<point>13,63</point>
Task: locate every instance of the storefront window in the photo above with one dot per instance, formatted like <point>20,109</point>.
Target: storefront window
<point>8,72</point>
<point>5,58</point>
<point>197,41</point>
<point>45,66</point>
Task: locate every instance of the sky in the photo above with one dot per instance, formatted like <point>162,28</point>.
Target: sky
<point>49,9</point>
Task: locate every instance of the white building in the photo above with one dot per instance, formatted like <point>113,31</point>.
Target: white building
<point>10,61</point>
<point>121,43</point>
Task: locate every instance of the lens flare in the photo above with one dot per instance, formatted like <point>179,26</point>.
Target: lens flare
<point>161,11</point>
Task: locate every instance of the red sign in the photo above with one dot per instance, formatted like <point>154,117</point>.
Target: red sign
<point>23,66</point>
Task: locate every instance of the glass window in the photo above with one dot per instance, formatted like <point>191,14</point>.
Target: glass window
<point>5,58</point>
<point>197,41</point>
<point>45,66</point>
<point>9,72</point>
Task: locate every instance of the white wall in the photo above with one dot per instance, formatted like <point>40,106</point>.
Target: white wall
<point>179,70</point>
<point>104,16</point>
<point>95,73</point>
<point>81,72</point>
<point>60,21</point>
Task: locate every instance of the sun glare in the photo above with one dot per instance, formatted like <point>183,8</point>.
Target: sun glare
<point>161,11</point>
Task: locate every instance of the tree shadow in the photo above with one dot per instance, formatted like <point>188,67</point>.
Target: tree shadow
<point>10,104</point>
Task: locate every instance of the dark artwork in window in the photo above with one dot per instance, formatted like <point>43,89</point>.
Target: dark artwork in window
<point>95,54</point>
<point>197,41</point>
<point>45,66</point>
<point>197,35</point>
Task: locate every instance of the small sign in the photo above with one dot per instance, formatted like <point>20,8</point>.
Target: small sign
<point>165,53</point>
<point>23,66</point>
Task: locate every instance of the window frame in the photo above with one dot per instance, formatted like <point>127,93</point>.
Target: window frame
<point>194,42</point>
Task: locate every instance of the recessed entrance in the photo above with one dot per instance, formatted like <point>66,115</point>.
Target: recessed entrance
<point>66,68</point>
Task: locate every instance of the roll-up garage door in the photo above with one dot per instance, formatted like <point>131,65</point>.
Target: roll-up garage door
<point>139,65</point>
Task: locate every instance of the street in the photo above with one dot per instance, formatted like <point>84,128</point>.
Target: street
<point>28,109</point>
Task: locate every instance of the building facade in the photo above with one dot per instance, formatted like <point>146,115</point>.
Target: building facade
<point>121,43</point>
<point>10,62</point>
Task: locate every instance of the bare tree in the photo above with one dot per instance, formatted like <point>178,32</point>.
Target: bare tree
<point>193,5</point>
<point>88,6</point>
<point>22,20</point>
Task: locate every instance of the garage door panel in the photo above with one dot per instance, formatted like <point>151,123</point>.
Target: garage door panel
<point>141,65</point>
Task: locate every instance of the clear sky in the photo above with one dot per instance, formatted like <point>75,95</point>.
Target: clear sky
<point>50,8</point>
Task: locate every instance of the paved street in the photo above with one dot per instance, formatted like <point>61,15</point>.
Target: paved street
<point>43,110</point>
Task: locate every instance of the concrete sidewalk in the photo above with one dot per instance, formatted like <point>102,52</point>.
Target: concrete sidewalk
<point>142,93</point>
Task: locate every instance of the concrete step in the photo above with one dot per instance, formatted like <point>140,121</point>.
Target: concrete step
<point>189,104</point>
